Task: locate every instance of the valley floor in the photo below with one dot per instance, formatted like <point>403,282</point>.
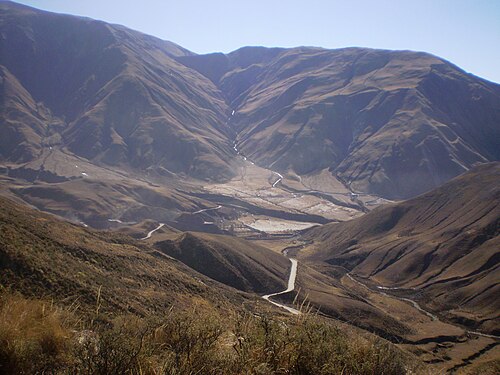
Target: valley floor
<point>267,208</point>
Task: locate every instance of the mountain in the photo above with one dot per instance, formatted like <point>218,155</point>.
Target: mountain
<point>230,260</point>
<point>43,256</point>
<point>441,247</point>
<point>108,94</point>
<point>76,300</point>
<point>111,128</point>
<point>391,123</point>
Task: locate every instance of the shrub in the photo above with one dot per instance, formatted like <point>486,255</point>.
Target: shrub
<point>34,336</point>
<point>37,337</point>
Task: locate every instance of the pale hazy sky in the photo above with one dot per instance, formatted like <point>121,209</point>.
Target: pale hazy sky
<point>465,32</point>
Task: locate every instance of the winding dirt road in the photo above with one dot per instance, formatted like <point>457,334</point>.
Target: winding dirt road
<point>280,177</point>
<point>152,231</point>
<point>291,286</point>
<point>418,307</point>
<point>207,209</point>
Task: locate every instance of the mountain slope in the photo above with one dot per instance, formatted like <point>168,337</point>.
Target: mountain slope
<point>109,94</point>
<point>442,245</point>
<point>390,123</point>
<point>232,261</point>
<point>393,123</point>
<point>43,256</point>
<point>22,126</point>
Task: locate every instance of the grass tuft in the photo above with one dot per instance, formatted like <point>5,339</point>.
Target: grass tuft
<point>38,337</point>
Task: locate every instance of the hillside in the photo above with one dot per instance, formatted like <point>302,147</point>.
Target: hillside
<point>106,93</point>
<point>230,260</point>
<point>390,123</point>
<point>150,196</point>
<point>441,248</point>
<point>75,300</point>
<point>41,256</point>
<point>100,122</point>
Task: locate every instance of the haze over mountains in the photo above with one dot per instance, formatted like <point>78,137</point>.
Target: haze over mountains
<point>392,123</point>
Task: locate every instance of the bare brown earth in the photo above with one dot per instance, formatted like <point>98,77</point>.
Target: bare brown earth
<point>330,291</point>
<point>103,126</point>
<point>108,94</point>
<point>84,192</point>
<point>110,128</point>
<point>230,260</point>
<point>389,123</point>
<point>108,274</point>
<point>392,123</point>
<point>443,246</point>
<point>439,250</point>
<point>42,256</point>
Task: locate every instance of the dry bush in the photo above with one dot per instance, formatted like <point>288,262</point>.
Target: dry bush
<point>188,343</point>
<point>34,336</point>
<point>115,347</point>
<point>308,345</point>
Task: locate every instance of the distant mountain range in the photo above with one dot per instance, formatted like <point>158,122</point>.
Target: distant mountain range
<point>391,123</point>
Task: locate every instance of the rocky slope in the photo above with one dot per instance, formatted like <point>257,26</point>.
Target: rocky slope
<point>390,123</point>
<point>43,256</point>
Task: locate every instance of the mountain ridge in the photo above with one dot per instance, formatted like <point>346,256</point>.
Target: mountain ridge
<point>390,123</point>
<point>113,95</point>
<point>282,118</point>
<point>441,245</point>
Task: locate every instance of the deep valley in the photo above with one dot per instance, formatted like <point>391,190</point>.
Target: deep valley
<point>296,192</point>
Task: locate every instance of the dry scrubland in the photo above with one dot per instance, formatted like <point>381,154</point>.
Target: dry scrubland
<point>39,337</point>
<point>103,123</point>
<point>441,246</point>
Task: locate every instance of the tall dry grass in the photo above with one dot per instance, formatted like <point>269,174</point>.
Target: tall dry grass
<point>38,337</point>
<point>34,336</point>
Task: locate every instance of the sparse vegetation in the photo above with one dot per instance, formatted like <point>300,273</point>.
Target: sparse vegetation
<point>38,337</point>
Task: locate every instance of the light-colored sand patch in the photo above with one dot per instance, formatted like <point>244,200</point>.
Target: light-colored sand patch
<point>271,225</point>
<point>254,186</point>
